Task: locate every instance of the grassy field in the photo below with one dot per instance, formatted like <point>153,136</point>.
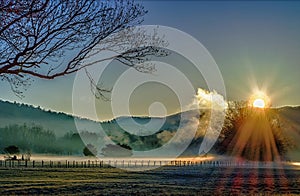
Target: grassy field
<point>163,181</point>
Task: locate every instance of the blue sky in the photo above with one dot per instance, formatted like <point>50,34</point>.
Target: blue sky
<point>255,44</point>
<point>250,41</point>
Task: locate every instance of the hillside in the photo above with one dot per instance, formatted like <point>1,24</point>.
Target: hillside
<point>59,123</point>
<point>290,118</point>
<point>146,133</point>
<point>17,118</point>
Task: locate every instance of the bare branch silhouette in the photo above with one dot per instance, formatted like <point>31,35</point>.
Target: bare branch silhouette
<point>49,39</point>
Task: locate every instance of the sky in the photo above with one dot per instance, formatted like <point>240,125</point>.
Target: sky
<point>255,44</point>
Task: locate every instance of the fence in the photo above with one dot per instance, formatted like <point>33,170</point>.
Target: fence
<point>125,164</point>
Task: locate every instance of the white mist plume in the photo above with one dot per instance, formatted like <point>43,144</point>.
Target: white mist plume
<point>209,126</point>
<point>210,100</point>
<point>217,107</point>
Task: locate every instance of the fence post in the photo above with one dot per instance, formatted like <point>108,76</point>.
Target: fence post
<point>42,163</point>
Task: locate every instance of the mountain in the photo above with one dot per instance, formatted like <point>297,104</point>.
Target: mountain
<point>17,118</point>
<point>290,118</point>
<point>61,123</point>
<point>58,122</point>
<point>140,133</point>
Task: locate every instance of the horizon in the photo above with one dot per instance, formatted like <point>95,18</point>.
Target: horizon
<point>122,116</point>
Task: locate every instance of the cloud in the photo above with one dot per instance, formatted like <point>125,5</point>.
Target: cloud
<point>210,100</point>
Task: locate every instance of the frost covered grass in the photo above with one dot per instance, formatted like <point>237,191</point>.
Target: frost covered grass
<point>162,181</point>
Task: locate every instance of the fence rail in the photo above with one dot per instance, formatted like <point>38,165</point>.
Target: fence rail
<point>127,164</point>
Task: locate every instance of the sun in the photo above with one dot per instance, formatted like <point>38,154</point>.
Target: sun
<point>259,103</point>
<point>259,99</point>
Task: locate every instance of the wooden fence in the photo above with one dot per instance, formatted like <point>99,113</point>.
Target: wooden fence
<point>124,164</point>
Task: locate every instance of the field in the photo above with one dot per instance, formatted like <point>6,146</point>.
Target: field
<point>167,180</point>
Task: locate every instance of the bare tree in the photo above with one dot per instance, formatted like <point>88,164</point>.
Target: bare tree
<point>52,38</point>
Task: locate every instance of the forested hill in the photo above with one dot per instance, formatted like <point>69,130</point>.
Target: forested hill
<point>63,126</point>
<point>43,131</point>
<point>59,123</point>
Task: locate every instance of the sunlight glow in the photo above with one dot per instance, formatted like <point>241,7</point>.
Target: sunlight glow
<point>259,103</point>
<point>296,163</point>
<point>259,99</point>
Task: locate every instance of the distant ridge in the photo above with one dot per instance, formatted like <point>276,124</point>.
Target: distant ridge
<point>43,109</point>
<point>60,122</point>
<point>17,113</point>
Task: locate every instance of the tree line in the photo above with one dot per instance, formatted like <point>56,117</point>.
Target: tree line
<point>36,139</point>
